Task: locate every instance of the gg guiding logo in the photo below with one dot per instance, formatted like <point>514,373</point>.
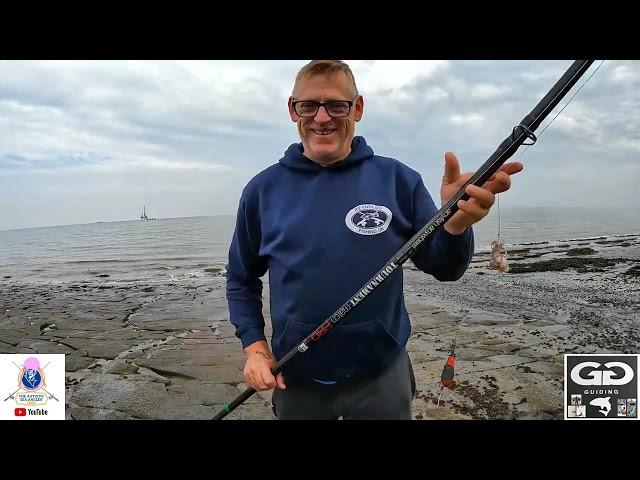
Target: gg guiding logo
<point>601,386</point>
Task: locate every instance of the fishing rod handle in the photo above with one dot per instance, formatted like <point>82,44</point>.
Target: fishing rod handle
<point>244,396</point>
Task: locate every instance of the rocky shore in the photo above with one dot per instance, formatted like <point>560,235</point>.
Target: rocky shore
<point>166,350</point>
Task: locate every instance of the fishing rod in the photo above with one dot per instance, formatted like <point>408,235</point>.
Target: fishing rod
<point>521,132</point>
<point>11,395</point>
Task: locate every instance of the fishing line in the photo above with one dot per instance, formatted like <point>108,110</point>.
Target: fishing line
<point>522,152</point>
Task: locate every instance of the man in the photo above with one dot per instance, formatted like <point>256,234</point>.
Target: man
<point>323,220</point>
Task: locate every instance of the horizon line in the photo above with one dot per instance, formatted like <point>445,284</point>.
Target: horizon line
<point>111,221</point>
<point>233,214</point>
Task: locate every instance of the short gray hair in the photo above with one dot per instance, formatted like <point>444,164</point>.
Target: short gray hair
<point>325,67</point>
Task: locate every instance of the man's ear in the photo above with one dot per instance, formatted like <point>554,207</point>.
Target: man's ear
<point>359,107</point>
<point>292,112</point>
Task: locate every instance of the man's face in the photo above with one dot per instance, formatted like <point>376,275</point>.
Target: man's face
<point>325,139</point>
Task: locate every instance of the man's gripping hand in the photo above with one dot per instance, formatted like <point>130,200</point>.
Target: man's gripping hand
<point>257,369</point>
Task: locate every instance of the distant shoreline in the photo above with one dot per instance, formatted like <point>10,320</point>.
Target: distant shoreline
<point>107,221</point>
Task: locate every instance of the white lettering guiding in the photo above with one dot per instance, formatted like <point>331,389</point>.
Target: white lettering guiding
<point>601,392</point>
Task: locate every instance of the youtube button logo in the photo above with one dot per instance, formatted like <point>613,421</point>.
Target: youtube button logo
<point>21,412</point>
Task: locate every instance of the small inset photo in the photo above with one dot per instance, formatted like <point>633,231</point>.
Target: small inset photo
<point>632,410</point>
<point>576,399</point>
<point>622,407</point>
<point>576,411</point>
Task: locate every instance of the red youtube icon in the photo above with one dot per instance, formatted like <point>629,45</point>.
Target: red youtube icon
<point>21,412</point>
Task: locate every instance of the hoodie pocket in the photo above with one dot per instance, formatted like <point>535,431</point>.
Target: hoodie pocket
<point>346,351</point>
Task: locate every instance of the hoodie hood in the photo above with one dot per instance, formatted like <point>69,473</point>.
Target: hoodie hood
<point>295,159</point>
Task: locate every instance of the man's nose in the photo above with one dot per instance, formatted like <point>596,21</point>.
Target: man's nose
<point>322,115</point>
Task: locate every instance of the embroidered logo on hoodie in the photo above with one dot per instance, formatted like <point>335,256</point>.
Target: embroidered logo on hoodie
<point>368,219</point>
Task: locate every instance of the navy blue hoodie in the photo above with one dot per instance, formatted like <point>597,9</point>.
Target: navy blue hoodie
<point>322,233</point>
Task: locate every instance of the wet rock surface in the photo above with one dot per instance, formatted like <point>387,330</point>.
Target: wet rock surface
<point>168,351</point>
<point>512,330</point>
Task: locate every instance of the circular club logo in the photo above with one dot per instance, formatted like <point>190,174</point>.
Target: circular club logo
<point>368,219</point>
<point>30,375</point>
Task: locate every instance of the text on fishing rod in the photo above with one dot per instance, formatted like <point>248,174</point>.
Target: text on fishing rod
<point>440,220</point>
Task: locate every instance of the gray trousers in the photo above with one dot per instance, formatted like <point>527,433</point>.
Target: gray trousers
<point>387,397</point>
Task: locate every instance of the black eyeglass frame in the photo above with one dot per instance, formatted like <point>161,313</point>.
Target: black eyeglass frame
<point>323,104</point>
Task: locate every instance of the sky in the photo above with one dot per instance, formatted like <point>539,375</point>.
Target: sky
<point>86,141</point>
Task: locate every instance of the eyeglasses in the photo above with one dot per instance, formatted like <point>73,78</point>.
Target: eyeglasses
<point>334,108</point>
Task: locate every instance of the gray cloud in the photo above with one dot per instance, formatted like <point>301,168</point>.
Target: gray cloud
<point>82,141</point>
